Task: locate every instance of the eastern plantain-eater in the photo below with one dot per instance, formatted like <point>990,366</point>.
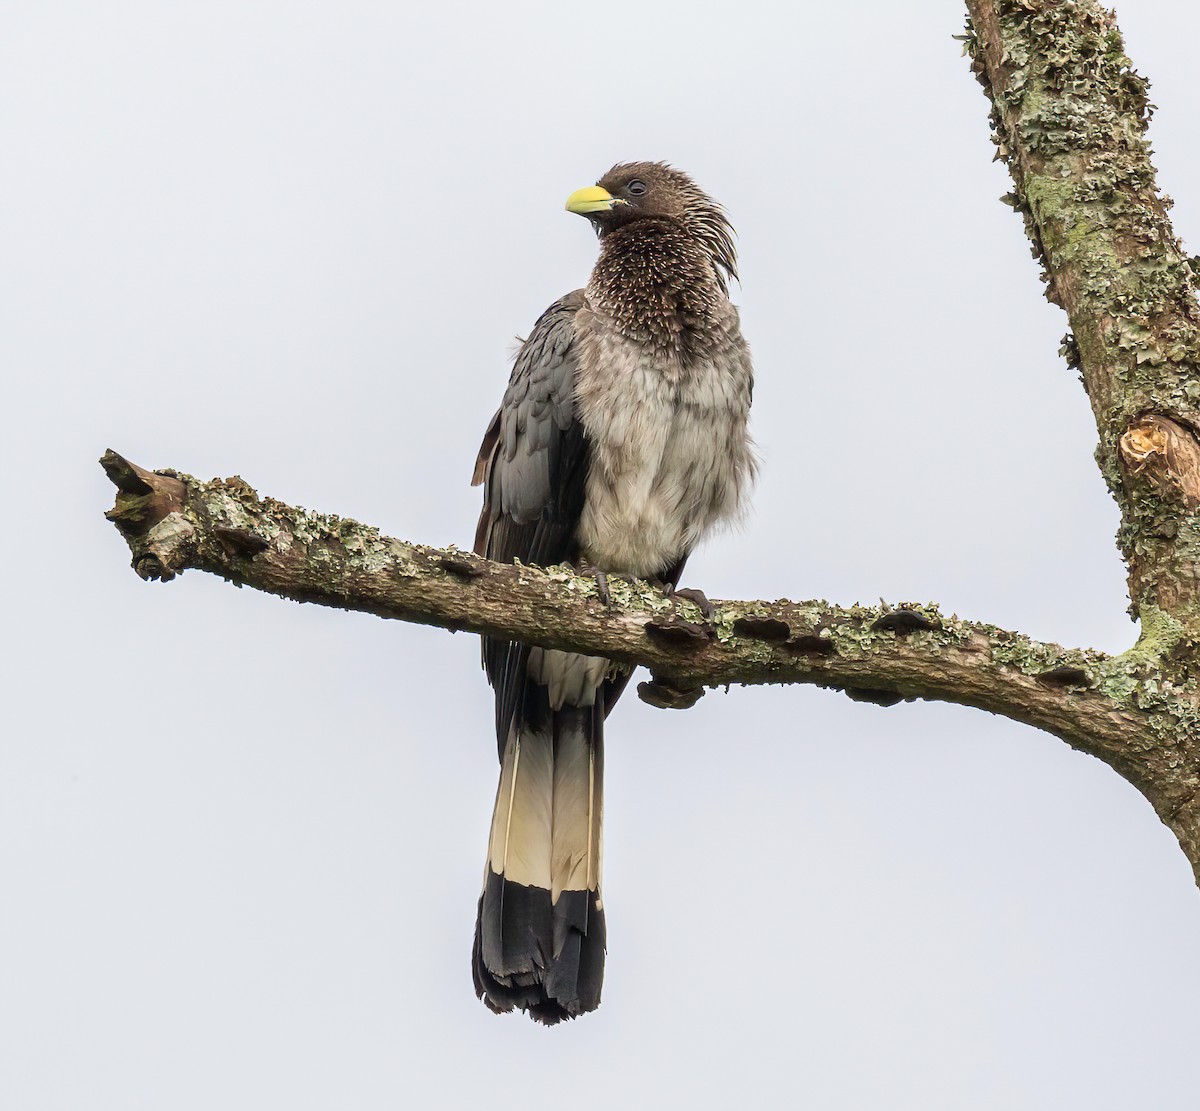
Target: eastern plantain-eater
<point>620,442</point>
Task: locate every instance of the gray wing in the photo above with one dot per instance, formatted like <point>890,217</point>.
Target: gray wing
<point>533,468</point>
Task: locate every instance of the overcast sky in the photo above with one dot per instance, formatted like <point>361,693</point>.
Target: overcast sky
<point>241,840</point>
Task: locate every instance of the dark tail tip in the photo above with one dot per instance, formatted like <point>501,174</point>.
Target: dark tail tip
<point>528,955</point>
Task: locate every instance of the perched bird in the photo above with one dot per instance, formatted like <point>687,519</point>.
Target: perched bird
<point>620,442</point>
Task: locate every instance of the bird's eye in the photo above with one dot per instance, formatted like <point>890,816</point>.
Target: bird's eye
<point>636,188</point>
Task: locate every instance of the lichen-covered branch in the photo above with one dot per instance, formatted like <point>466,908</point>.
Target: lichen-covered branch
<point>1099,704</point>
<point>1069,116</point>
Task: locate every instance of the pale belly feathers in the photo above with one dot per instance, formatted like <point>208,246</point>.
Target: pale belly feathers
<point>670,455</point>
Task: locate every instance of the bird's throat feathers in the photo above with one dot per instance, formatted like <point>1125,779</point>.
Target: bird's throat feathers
<point>659,285</point>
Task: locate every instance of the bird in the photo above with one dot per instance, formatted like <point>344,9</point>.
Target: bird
<point>621,441</point>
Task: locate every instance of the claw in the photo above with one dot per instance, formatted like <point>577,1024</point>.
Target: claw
<point>602,588</point>
<point>697,597</point>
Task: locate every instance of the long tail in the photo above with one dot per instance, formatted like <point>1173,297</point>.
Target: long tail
<point>539,934</point>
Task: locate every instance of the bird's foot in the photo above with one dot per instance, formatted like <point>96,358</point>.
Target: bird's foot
<point>697,597</point>
<point>602,588</point>
<point>601,578</point>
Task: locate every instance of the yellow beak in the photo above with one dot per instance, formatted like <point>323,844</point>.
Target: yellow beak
<point>591,199</point>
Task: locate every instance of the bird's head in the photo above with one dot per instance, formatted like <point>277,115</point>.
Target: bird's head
<point>633,191</point>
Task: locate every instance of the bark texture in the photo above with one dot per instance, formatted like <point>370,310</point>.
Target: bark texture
<point>877,654</point>
<point>1069,118</point>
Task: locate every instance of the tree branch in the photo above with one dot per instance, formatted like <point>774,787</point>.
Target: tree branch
<point>880,654</point>
<point>1069,117</point>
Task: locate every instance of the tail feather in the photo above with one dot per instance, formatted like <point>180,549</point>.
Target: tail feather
<point>539,936</point>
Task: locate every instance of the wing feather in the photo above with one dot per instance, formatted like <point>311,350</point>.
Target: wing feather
<point>533,468</point>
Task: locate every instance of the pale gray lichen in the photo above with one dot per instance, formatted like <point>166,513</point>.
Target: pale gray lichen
<point>1069,118</point>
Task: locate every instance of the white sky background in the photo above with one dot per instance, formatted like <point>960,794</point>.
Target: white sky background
<point>241,840</point>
